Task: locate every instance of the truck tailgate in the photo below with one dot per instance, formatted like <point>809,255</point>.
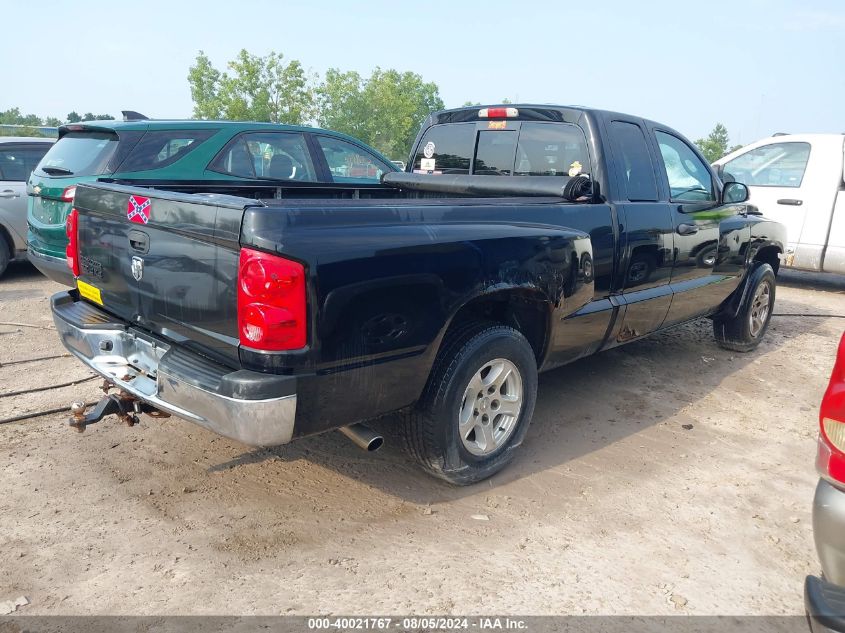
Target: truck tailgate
<point>164,264</point>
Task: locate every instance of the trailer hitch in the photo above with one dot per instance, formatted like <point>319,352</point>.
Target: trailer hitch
<point>123,404</point>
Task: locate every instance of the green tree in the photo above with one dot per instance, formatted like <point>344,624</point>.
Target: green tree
<point>716,144</point>
<point>384,111</point>
<point>73,117</point>
<point>253,89</point>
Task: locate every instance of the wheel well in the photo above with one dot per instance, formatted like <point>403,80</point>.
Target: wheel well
<point>528,315</point>
<point>769,255</point>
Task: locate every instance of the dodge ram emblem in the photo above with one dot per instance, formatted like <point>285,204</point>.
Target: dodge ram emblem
<point>138,209</point>
<point>137,268</point>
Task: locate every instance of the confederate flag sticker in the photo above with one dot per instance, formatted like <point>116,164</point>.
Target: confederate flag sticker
<point>138,209</point>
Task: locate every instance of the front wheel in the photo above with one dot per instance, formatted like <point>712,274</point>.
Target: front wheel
<point>477,405</point>
<point>743,332</point>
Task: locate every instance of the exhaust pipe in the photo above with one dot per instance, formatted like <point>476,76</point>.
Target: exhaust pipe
<point>363,437</point>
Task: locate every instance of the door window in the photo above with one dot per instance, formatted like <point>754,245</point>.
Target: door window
<point>17,163</point>
<point>634,162</point>
<point>689,178</point>
<point>350,163</point>
<point>775,165</point>
<point>269,155</point>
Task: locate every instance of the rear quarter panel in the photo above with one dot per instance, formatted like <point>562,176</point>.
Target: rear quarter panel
<point>386,281</point>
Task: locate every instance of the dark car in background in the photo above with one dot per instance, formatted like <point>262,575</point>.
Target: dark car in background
<point>18,157</point>
<point>165,153</point>
<point>824,598</point>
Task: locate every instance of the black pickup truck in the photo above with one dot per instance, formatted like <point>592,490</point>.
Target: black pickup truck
<point>519,239</point>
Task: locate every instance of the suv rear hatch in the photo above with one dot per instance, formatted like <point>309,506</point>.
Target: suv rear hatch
<point>82,153</point>
<point>160,262</point>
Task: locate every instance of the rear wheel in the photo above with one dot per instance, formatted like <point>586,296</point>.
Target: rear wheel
<point>743,332</point>
<point>5,254</point>
<point>477,405</point>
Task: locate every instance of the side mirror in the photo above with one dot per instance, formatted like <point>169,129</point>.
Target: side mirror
<point>734,192</point>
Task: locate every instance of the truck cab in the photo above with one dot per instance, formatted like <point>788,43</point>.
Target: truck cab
<point>798,180</point>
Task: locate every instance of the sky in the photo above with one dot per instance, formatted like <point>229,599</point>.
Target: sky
<point>756,66</point>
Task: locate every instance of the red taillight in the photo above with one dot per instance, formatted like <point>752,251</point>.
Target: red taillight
<point>498,113</point>
<point>72,248</point>
<point>68,194</point>
<point>831,456</point>
<point>271,302</point>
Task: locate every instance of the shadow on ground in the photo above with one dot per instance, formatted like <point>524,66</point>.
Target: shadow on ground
<point>572,417</point>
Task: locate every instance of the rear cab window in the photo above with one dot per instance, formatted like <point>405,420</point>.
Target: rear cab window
<point>512,148</point>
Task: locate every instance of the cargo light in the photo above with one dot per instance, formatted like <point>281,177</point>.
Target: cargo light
<point>271,302</point>
<point>68,194</point>
<point>830,460</point>
<point>72,248</point>
<point>498,113</point>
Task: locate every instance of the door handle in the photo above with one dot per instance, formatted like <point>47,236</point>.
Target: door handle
<point>9,193</point>
<point>139,241</point>
<point>687,229</point>
<point>791,201</point>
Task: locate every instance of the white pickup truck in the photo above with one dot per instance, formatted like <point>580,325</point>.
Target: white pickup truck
<point>798,180</point>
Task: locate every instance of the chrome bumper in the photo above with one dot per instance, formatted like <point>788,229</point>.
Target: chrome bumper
<point>174,380</point>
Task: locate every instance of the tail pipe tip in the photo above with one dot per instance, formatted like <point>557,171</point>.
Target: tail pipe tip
<point>363,437</point>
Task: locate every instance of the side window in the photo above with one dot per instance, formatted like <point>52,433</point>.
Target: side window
<point>270,155</point>
<point>16,164</point>
<point>689,178</point>
<point>633,161</point>
<point>775,165</point>
<point>161,148</point>
<point>446,149</point>
<point>350,163</point>
<point>551,149</point>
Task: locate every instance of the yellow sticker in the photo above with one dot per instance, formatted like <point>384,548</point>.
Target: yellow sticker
<point>497,125</point>
<point>575,169</point>
<point>89,292</point>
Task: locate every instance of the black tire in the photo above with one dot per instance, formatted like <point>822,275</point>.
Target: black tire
<point>743,333</point>
<point>5,253</point>
<point>431,428</point>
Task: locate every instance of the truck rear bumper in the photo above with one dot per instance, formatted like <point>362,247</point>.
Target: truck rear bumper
<point>250,407</point>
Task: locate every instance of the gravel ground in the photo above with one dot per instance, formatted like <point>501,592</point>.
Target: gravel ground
<point>677,479</point>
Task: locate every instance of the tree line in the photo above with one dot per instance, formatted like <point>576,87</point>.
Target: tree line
<point>17,123</point>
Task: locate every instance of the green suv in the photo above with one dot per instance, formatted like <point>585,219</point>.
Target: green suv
<point>166,153</point>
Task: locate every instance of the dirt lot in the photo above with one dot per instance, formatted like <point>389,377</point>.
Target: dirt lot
<point>682,483</point>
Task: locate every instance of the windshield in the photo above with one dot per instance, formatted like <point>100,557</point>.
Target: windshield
<point>79,154</point>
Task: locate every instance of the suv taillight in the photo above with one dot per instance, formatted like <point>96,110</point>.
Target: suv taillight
<point>831,456</point>
<point>72,248</point>
<point>271,302</point>
<point>68,194</point>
